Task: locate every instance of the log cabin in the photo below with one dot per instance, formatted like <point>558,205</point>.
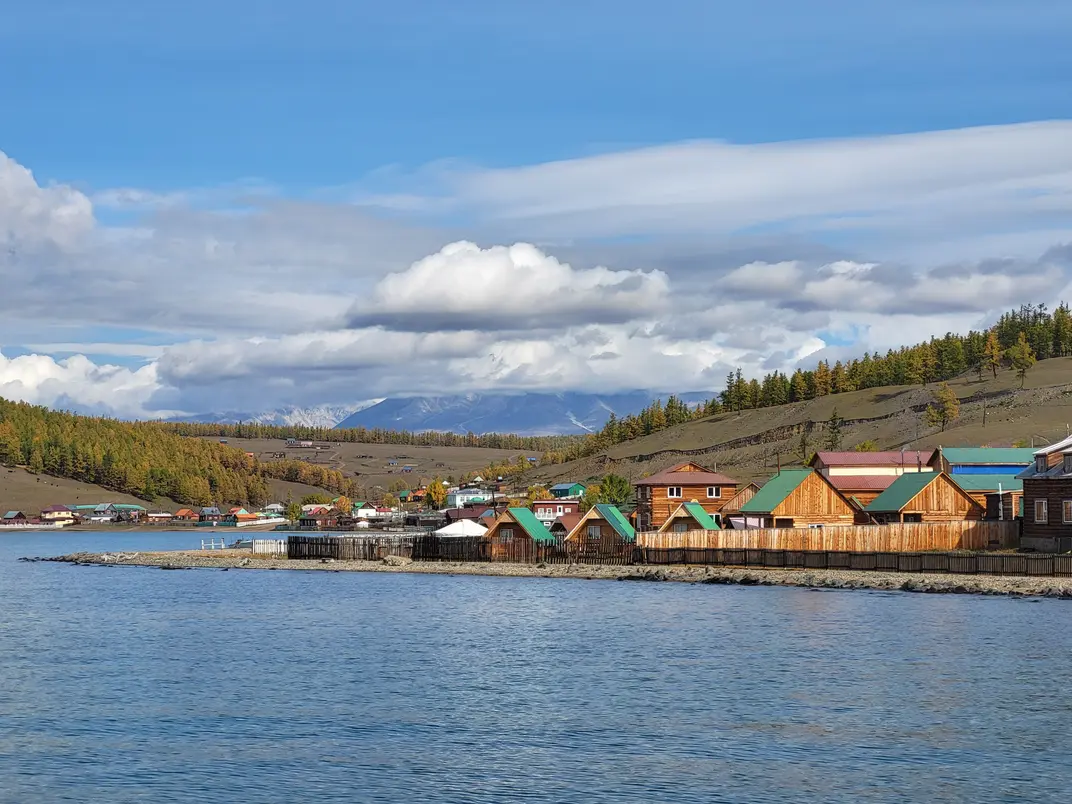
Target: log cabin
<point>657,496</point>
<point>516,535</point>
<point>924,497</point>
<point>1047,503</point>
<point>602,527</point>
<point>798,498</point>
<point>688,517</point>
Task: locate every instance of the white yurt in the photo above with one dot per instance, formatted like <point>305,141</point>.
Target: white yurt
<point>463,527</point>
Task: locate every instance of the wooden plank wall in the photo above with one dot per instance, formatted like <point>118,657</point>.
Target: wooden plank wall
<point>895,538</point>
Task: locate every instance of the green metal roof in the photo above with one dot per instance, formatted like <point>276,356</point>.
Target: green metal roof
<point>617,521</point>
<point>531,525</point>
<point>988,482</point>
<point>901,491</point>
<point>128,507</point>
<point>985,455</point>
<point>697,512</point>
<point>775,491</point>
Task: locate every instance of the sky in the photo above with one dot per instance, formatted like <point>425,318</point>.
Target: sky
<point>239,205</point>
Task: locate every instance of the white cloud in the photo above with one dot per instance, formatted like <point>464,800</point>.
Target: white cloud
<point>517,287</point>
<point>30,213</point>
<point>77,382</point>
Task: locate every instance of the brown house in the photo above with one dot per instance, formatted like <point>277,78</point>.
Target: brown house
<point>743,495</point>
<point>687,517</point>
<point>657,496</point>
<point>797,498</point>
<point>924,497</point>
<point>516,535</point>
<point>562,526</point>
<point>602,527</point>
<point>1047,504</point>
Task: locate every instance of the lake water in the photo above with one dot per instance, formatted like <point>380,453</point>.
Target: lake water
<point>125,684</point>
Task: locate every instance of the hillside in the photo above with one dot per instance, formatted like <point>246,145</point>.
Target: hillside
<point>749,445</point>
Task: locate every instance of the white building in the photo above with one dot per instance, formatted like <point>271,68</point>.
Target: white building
<point>459,498</point>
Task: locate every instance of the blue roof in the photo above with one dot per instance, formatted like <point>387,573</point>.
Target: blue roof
<point>12,514</point>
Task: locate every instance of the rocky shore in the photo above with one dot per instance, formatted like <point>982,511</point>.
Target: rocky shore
<point>815,579</point>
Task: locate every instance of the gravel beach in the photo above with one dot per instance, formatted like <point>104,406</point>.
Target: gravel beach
<point>820,579</point>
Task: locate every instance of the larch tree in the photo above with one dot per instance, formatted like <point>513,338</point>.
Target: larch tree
<point>944,409</point>
<point>437,493</point>
<point>992,354</point>
<point>1021,357</point>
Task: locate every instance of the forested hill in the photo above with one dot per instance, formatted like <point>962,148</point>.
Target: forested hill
<point>145,459</point>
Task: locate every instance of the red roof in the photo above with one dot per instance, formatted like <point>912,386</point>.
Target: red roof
<point>851,483</point>
<point>568,521</point>
<point>674,476</point>
<point>888,458</point>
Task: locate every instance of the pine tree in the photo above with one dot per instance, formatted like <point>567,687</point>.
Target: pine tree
<point>834,427</point>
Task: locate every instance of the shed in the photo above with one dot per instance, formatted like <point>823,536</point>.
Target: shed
<point>602,525</point>
<point>797,498</point>
<point>689,516</point>
<point>924,497</point>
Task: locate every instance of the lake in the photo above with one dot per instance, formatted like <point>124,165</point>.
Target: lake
<point>122,684</point>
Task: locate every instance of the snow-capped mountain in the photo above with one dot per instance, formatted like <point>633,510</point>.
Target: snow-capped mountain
<point>289,416</point>
<point>523,414</point>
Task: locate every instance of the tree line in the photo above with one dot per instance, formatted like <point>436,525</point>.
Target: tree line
<point>144,459</point>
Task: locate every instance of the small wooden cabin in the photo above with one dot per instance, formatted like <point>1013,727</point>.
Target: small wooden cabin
<point>516,535</point>
<point>798,498</point>
<point>562,526</point>
<point>689,516</point>
<point>603,527</point>
<point>658,495</point>
<point>924,497</point>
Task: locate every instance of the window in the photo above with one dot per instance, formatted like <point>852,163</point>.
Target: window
<point>673,492</point>
<point>714,492</point>
<point>1040,463</point>
<point>814,527</point>
<point>560,510</point>
<point>1066,513</point>
<point>1041,514</point>
<point>1068,464</point>
<point>594,532</point>
<point>681,527</point>
<point>506,534</point>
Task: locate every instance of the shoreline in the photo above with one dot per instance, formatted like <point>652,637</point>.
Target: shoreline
<point>1006,585</point>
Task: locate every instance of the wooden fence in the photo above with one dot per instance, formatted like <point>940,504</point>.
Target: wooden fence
<point>521,551</point>
<point>1031,564</point>
<point>349,548</point>
<point>894,538</point>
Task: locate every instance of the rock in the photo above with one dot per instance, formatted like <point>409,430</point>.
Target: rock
<point>541,565</point>
<point>396,561</point>
<point>327,561</point>
<point>650,575</point>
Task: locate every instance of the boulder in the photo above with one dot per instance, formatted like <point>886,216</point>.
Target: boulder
<point>396,561</point>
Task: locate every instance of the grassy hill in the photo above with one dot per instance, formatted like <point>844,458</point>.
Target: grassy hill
<point>748,445</point>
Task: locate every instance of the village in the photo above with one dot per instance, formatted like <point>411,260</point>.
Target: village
<point>840,497</point>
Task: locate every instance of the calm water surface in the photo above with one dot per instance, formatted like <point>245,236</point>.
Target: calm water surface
<point>123,684</point>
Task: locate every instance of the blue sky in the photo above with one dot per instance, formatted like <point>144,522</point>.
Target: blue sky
<point>307,94</point>
<point>254,200</point>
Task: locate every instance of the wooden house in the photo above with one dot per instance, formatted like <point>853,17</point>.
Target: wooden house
<point>798,498</point>
<point>658,495</point>
<point>210,513</point>
<point>863,476</point>
<point>562,526</point>
<point>563,490</point>
<point>739,498</point>
<point>602,527</point>
<point>924,497</point>
<point>1047,502</point>
<point>1005,506</point>
<point>547,511</point>
<point>981,486</point>
<point>58,513</point>
<point>318,520</point>
<point>186,515</point>
<point>15,518</point>
<point>516,535</point>
<point>688,516</point>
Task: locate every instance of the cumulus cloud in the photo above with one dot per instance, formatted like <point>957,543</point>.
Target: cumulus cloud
<point>516,287</point>
<point>30,213</point>
<point>78,383</point>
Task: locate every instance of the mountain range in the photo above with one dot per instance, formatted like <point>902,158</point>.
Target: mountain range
<point>523,414</point>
